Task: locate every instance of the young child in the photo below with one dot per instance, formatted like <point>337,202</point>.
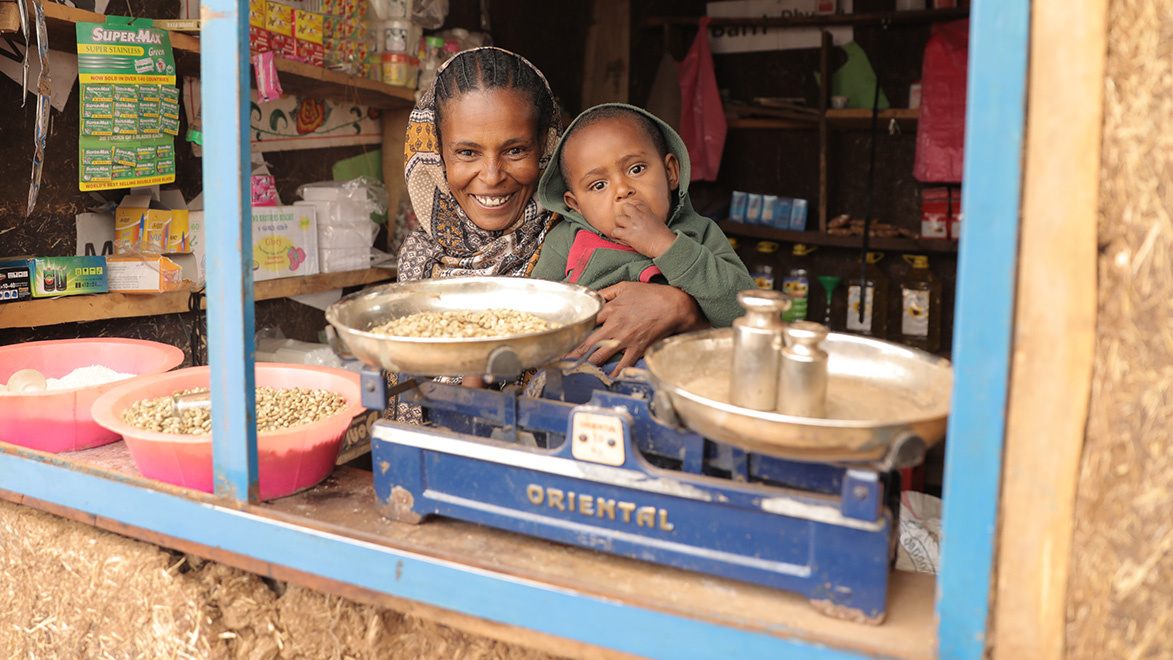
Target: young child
<point>620,179</point>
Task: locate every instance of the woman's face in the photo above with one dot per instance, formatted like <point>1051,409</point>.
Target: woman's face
<point>491,148</point>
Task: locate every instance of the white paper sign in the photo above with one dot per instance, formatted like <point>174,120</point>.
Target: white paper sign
<point>751,38</point>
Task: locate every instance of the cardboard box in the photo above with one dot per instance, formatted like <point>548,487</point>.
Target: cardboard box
<point>310,53</point>
<point>15,280</point>
<point>146,225</point>
<point>279,19</point>
<point>196,240</point>
<point>61,276</point>
<point>95,234</point>
<point>283,46</point>
<point>152,273</point>
<point>258,39</point>
<point>934,213</point>
<point>285,242</point>
<point>257,13</point>
<point>308,26</point>
<point>798,215</point>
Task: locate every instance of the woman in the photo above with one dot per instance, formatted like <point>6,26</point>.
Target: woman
<point>477,143</point>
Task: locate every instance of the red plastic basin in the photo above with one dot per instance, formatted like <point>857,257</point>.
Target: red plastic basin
<point>60,420</point>
<point>288,460</point>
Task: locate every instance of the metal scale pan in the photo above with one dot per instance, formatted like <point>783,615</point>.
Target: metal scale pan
<point>878,393</point>
<point>571,306</point>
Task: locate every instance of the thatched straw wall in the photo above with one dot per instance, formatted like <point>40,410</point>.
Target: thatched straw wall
<point>70,591</point>
<point>1120,598</point>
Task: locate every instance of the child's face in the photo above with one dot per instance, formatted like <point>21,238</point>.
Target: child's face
<point>612,163</point>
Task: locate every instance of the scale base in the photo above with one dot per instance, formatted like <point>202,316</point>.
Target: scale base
<point>615,501</point>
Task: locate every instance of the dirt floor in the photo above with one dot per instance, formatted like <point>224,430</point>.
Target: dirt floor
<point>68,590</point>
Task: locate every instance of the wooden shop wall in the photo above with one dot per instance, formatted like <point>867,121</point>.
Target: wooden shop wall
<point>51,230</point>
<point>784,162</point>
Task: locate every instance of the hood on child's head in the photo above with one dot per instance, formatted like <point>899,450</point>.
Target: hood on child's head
<point>552,187</point>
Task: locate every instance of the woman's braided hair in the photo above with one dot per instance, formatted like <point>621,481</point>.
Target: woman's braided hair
<point>492,68</point>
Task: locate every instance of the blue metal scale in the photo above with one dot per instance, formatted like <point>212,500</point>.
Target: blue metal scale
<point>609,467</point>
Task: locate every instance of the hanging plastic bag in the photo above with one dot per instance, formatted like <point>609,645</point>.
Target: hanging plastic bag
<point>940,136</point>
<point>702,117</point>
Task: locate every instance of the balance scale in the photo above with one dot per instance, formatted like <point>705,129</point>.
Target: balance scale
<point>652,465</point>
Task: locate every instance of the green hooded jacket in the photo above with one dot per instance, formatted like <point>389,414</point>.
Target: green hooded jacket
<point>700,261</point>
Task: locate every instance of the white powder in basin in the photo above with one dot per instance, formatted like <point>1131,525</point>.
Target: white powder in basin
<point>85,377</point>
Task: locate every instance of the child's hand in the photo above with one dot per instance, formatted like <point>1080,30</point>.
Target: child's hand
<point>639,229</point>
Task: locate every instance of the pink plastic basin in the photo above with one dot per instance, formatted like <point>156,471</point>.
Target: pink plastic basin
<point>287,461</point>
<point>60,420</point>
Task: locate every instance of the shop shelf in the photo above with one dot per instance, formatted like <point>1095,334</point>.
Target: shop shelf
<point>68,309</point>
<point>853,118</point>
<point>297,78</point>
<point>819,238</point>
<point>823,20</point>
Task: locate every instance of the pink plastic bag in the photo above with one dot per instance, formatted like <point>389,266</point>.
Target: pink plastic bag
<point>702,117</point>
<point>940,137</point>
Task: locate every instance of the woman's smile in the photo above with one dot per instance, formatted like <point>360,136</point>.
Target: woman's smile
<point>492,201</point>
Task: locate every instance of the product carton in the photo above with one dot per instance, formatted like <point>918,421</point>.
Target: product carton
<point>60,276</point>
<point>798,215</point>
<point>285,242</point>
<point>95,234</point>
<point>15,280</point>
<point>781,218</point>
<point>144,225</point>
<point>935,213</point>
<point>151,273</point>
<point>196,240</point>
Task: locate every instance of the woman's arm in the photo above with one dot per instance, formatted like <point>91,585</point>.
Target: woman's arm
<point>638,315</point>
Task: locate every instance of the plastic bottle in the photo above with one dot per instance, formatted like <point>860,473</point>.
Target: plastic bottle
<point>875,298</point>
<point>797,283</point>
<point>920,318</point>
<point>762,266</point>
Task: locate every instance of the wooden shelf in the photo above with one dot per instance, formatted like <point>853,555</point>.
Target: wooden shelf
<point>297,78</point>
<point>823,20</point>
<point>818,238</point>
<point>75,309</point>
<point>853,118</point>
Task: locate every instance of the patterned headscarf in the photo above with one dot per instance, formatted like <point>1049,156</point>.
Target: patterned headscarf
<point>448,244</point>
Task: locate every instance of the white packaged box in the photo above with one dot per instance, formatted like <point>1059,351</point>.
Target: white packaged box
<point>345,230</point>
<point>285,242</point>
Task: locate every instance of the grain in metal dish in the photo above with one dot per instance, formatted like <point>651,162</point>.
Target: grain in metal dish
<point>465,324</point>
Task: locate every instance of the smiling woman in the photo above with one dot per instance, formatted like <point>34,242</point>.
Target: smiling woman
<point>477,143</point>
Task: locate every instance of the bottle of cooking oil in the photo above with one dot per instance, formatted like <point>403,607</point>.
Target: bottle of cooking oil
<point>875,300</point>
<point>796,283</point>
<point>761,267</point>
<point>920,320</point>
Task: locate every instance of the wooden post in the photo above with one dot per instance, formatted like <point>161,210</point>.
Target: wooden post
<point>824,128</point>
<point>608,54</point>
<point>1054,329</point>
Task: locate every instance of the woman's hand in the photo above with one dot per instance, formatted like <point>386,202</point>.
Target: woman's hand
<point>637,315</point>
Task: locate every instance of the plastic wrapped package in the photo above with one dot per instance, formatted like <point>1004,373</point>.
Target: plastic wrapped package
<point>345,212</point>
<point>702,116</point>
<point>429,13</point>
<point>940,136</point>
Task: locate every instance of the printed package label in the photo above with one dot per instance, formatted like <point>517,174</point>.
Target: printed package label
<point>127,75</point>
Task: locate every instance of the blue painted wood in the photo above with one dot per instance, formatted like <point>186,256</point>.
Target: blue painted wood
<point>403,574</point>
<point>999,43</point>
<point>224,100</point>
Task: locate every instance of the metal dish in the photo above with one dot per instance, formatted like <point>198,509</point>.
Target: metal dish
<point>877,392</point>
<point>573,307</point>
